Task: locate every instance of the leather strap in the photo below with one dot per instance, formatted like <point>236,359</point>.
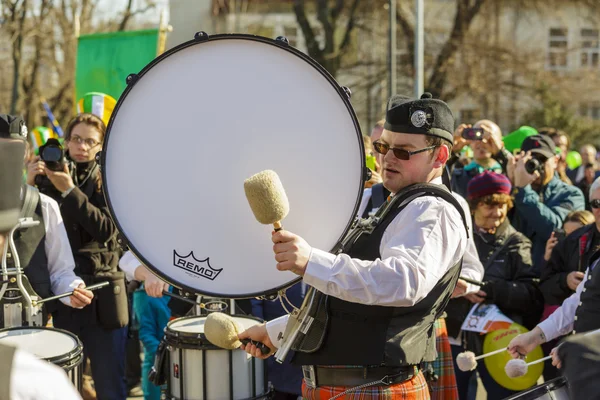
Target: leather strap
<point>361,376</point>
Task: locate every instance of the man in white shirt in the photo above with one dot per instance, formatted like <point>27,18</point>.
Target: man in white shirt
<point>383,296</point>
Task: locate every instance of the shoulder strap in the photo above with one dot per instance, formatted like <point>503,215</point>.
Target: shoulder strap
<point>7,354</point>
<point>30,201</point>
<point>427,189</point>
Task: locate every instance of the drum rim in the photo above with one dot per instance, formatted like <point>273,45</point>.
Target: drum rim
<point>200,342</point>
<point>552,384</point>
<point>203,39</point>
<point>58,359</point>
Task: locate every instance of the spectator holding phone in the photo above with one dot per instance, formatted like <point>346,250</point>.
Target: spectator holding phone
<point>489,154</point>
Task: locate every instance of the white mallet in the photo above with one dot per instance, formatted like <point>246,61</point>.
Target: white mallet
<point>517,367</point>
<point>467,361</point>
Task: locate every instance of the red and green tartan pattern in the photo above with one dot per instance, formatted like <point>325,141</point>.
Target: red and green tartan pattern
<point>445,387</point>
<point>413,389</point>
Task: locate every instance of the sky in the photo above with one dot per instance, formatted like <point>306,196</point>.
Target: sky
<point>109,8</point>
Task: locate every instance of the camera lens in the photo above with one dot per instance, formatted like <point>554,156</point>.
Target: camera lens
<point>52,154</point>
<point>532,165</point>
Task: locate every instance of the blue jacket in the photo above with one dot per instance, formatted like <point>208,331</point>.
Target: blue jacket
<point>536,215</point>
<point>285,377</point>
<point>153,315</point>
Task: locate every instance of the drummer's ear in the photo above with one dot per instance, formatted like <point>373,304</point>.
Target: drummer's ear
<point>442,156</point>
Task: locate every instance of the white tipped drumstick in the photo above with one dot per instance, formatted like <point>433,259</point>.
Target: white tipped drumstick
<point>466,361</point>
<point>491,353</point>
<point>267,198</point>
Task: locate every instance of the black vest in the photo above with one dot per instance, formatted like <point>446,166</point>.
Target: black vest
<point>587,315</point>
<point>30,244</point>
<point>359,334</point>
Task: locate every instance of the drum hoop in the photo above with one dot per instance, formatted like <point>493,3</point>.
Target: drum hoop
<point>61,358</point>
<point>549,386</point>
<point>225,36</point>
<point>194,341</point>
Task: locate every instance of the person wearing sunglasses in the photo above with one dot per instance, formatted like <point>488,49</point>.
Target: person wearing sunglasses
<point>578,313</point>
<point>387,288</point>
<point>542,201</point>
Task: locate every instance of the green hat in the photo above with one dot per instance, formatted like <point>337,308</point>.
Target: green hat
<point>513,141</point>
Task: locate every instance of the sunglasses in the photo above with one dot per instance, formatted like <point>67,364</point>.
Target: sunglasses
<point>400,154</point>
<point>595,203</point>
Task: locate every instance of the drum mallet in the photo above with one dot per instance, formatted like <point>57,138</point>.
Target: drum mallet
<point>471,281</point>
<point>267,198</point>
<point>60,296</point>
<point>518,367</point>
<point>222,331</point>
<point>467,361</point>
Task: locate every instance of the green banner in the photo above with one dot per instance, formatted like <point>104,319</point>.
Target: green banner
<point>105,59</point>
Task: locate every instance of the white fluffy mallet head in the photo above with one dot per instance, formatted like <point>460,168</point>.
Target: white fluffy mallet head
<point>515,368</point>
<point>466,361</point>
<point>222,330</point>
<point>267,198</point>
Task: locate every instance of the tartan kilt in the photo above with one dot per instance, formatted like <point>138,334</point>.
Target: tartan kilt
<point>413,389</point>
<point>445,387</point>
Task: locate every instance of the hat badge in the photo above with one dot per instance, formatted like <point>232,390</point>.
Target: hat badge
<point>418,118</point>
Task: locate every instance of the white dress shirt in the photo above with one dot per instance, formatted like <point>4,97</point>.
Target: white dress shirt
<point>128,264</point>
<point>560,322</point>
<point>35,379</point>
<point>417,248</point>
<point>61,264</point>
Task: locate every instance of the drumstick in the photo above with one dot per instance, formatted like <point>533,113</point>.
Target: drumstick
<point>60,296</point>
<point>222,331</point>
<point>267,198</point>
<point>178,297</point>
<point>466,361</point>
<point>471,281</point>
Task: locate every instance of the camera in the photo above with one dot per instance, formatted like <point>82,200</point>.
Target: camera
<point>534,165</point>
<point>472,133</point>
<point>53,155</point>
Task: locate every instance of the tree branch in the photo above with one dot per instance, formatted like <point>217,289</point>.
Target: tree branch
<point>349,26</point>
<point>309,35</point>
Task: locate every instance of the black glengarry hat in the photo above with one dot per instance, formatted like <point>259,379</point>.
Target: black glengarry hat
<point>425,116</point>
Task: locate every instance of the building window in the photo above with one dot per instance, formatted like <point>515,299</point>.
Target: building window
<point>590,110</point>
<point>557,48</point>
<point>590,49</point>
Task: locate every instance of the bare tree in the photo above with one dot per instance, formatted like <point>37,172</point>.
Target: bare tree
<point>14,12</point>
<point>129,13</point>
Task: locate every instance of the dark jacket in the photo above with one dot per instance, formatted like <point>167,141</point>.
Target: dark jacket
<point>565,259</point>
<point>536,215</point>
<point>510,276</point>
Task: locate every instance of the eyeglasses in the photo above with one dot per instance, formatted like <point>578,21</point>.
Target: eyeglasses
<point>400,154</point>
<point>595,203</point>
<point>90,143</point>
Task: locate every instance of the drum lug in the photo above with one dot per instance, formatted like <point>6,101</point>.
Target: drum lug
<point>368,174</point>
<point>99,158</point>
<point>348,92</point>
<point>201,36</point>
<point>131,79</point>
<point>282,40</point>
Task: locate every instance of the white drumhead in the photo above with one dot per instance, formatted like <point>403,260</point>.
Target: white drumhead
<point>43,343</point>
<point>196,324</point>
<point>200,121</point>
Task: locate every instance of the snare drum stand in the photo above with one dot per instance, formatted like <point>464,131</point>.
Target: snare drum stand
<point>13,310</point>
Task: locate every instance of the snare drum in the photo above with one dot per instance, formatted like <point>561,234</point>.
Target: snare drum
<point>199,370</point>
<point>57,346</point>
<point>198,121</point>
<point>556,389</point>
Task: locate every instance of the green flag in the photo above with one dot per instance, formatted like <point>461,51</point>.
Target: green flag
<point>105,59</point>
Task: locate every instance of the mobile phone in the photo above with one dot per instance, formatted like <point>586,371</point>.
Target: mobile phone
<point>472,133</point>
<point>370,160</point>
<point>560,234</point>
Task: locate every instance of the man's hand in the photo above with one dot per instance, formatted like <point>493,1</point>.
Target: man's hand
<point>476,298</point>
<point>523,178</point>
<point>81,297</point>
<point>291,252</point>
<point>460,289</point>
<point>555,360</point>
<point>153,285</point>
<point>574,279</point>
<point>35,168</point>
<point>495,141</point>
<point>523,344</point>
<point>257,333</point>
<point>459,141</point>
<point>61,180</point>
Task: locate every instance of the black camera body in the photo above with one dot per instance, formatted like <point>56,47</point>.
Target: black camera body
<point>52,154</point>
<point>534,165</point>
<point>472,133</point>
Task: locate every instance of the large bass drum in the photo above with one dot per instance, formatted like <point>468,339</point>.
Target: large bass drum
<point>199,120</point>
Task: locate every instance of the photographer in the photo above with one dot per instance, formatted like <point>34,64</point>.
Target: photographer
<point>43,250</point>
<point>93,236</point>
<point>489,154</point>
<point>542,200</point>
